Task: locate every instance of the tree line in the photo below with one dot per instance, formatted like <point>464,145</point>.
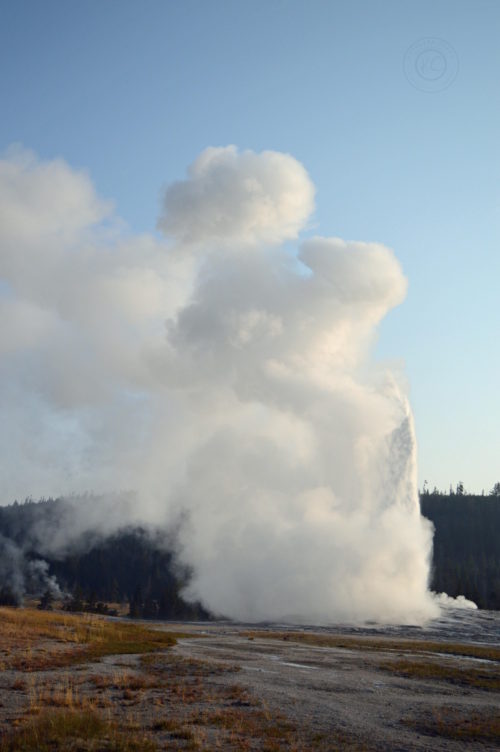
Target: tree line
<point>138,567</point>
<point>466,551</point>
<point>134,566</point>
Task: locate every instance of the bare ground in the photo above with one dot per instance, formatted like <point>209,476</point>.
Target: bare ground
<point>351,694</point>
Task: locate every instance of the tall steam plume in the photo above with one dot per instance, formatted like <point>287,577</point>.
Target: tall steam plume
<point>223,376</point>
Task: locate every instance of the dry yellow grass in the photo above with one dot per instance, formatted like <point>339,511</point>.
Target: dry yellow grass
<point>70,639</point>
<point>74,729</point>
<point>381,644</point>
<point>483,677</point>
<point>454,724</point>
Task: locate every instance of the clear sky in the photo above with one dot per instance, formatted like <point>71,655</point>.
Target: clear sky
<point>408,156</point>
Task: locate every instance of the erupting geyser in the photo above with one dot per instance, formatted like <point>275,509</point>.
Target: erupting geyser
<point>224,377</point>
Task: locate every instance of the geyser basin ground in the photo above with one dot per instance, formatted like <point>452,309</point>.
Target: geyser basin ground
<point>392,690</point>
<point>235,687</point>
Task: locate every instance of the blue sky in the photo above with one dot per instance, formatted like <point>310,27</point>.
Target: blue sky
<point>133,91</point>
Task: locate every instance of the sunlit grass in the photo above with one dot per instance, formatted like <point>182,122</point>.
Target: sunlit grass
<point>75,639</point>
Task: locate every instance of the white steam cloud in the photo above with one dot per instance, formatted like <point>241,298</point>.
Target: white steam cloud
<point>222,377</point>
<point>241,198</point>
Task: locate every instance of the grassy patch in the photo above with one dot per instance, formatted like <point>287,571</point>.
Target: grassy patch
<point>124,680</point>
<point>79,639</point>
<point>381,644</point>
<point>274,733</point>
<point>169,664</point>
<point>255,723</point>
<point>479,678</point>
<point>65,729</point>
<point>454,724</point>
<point>56,696</point>
<point>166,724</point>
